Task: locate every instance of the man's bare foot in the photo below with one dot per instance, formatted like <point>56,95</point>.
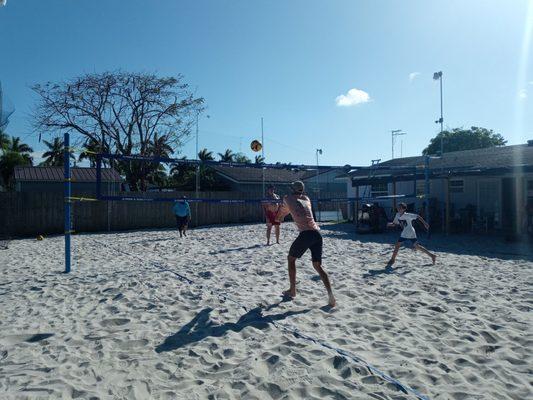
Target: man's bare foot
<point>289,294</point>
<point>434,258</point>
<point>332,302</point>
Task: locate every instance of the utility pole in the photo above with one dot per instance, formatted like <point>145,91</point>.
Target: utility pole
<point>438,76</point>
<point>197,183</point>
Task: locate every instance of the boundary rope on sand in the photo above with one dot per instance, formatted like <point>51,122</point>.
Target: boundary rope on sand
<point>295,332</point>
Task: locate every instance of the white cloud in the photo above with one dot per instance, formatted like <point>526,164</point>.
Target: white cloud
<point>37,157</point>
<point>352,98</point>
<point>522,94</point>
<point>413,75</point>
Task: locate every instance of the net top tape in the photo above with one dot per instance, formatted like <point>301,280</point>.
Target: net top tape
<point>248,201</point>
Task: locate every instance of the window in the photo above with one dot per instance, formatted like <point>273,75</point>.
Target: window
<point>379,189</point>
<point>457,186</point>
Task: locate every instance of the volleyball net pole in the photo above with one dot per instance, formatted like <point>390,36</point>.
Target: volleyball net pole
<point>67,199</point>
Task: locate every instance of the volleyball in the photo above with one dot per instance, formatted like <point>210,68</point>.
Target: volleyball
<point>256,145</point>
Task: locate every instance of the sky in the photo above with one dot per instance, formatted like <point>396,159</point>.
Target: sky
<point>335,75</point>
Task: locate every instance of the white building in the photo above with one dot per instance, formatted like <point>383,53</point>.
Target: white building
<point>473,190</point>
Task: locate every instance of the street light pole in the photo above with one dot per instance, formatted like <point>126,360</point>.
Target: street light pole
<point>197,186</point>
<point>263,154</point>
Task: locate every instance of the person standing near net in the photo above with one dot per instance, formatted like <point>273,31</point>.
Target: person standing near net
<point>299,206</point>
<point>182,211</point>
<point>408,235</point>
<point>271,210</point>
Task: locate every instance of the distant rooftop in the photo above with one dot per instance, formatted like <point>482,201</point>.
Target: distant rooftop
<point>491,158</point>
<point>272,175</point>
<point>55,174</point>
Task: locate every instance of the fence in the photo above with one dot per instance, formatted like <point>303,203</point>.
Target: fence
<point>41,213</point>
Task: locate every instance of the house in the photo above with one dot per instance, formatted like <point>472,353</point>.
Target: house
<point>51,179</point>
<point>486,189</point>
<point>250,179</point>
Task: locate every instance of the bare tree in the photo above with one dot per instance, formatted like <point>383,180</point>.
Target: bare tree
<point>122,112</point>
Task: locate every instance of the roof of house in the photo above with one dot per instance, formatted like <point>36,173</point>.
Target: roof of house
<point>56,174</point>
<point>457,162</point>
<point>272,175</point>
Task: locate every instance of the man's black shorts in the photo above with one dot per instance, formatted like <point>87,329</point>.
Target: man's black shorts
<point>311,240</point>
<point>182,221</point>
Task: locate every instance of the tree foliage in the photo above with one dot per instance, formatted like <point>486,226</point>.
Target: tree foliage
<point>14,153</point>
<point>241,158</point>
<point>55,155</point>
<point>125,113</point>
<point>464,139</point>
<point>227,156</point>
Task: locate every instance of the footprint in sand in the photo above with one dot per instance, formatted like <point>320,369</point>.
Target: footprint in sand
<point>112,322</point>
<point>132,344</point>
<point>28,338</point>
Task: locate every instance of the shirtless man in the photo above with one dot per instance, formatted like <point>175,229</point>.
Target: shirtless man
<point>271,210</point>
<point>299,206</point>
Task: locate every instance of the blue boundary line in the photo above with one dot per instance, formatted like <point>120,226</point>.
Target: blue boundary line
<point>295,332</point>
<point>351,356</point>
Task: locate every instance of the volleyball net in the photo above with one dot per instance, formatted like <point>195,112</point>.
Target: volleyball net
<point>137,192</point>
<point>234,183</point>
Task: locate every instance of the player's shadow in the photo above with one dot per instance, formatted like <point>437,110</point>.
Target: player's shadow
<point>201,327</point>
<point>255,246</point>
<point>389,269</point>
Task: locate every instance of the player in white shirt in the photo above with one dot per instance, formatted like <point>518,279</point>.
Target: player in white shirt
<point>408,235</point>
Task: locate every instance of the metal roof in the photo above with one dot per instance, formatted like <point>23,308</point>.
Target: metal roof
<point>272,175</point>
<point>56,174</point>
<point>457,162</point>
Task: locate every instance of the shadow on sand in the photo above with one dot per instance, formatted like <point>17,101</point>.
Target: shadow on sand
<point>388,270</point>
<point>463,244</point>
<point>255,246</point>
<point>200,327</point>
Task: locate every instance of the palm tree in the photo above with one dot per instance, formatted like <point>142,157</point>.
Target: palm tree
<point>17,146</point>
<point>155,172</point>
<point>259,159</point>
<point>206,155</point>
<point>4,139</point>
<point>227,156</point>
<point>160,147</point>
<point>14,154</point>
<point>90,148</point>
<point>241,158</point>
<point>54,157</point>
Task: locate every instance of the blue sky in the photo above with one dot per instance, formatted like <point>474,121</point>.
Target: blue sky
<point>289,61</point>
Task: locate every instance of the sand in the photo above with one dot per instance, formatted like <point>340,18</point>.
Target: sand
<point>148,315</point>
